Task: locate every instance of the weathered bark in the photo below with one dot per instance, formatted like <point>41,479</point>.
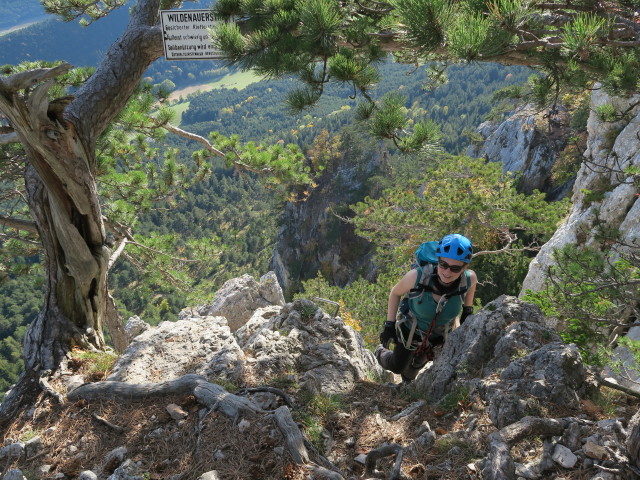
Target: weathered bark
<point>381,452</point>
<point>24,392</point>
<point>633,440</point>
<point>59,138</point>
<point>119,390</point>
<point>292,436</point>
<point>217,398</point>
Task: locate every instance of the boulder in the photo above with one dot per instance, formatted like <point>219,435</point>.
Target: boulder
<point>506,355</point>
<point>322,352</point>
<point>203,346</point>
<point>240,297</point>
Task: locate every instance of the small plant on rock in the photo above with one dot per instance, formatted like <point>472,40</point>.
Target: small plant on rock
<point>94,365</point>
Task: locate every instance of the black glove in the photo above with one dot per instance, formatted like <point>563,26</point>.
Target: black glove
<point>466,311</point>
<point>388,334</point>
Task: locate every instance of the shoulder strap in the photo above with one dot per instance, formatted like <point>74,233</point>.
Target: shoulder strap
<point>465,283</point>
<point>423,280</point>
<point>425,273</point>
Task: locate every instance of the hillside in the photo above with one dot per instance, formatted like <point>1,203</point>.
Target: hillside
<point>16,13</point>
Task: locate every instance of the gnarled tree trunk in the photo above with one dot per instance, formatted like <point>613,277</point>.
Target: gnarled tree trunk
<point>59,138</point>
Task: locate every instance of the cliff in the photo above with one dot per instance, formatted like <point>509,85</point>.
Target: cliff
<point>530,142</point>
<point>313,239</point>
<point>612,147</point>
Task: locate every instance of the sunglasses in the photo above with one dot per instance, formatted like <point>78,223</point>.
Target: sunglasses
<point>454,268</point>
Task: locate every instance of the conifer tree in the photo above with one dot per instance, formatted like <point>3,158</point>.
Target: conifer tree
<point>321,41</point>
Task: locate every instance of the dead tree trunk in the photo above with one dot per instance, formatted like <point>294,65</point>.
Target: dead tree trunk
<point>64,204</point>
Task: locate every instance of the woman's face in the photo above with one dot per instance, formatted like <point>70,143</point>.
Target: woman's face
<point>449,269</point>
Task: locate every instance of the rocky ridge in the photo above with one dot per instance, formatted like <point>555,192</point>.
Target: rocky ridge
<point>529,141</point>
<point>619,208</point>
<point>293,393</point>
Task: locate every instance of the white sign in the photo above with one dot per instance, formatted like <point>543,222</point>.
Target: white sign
<point>186,36</point>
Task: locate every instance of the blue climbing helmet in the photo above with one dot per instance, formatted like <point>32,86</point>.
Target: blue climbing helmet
<point>456,247</point>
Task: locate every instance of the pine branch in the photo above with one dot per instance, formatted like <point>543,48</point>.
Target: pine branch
<point>117,253</point>
<point>192,136</point>
<point>19,224</point>
<point>8,236</point>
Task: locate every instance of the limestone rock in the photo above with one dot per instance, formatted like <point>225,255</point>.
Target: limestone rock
<point>505,354</point>
<point>564,457</point>
<point>619,209</point>
<point>240,297</point>
<point>127,471</point>
<point>135,326</point>
<point>203,346</point>
<point>176,412</point>
<point>525,143</point>
<point>593,450</point>
<point>212,475</point>
<point>326,354</point>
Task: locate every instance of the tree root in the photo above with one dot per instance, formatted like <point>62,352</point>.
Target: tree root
<point>616,386</point>
<point>292,435</point>
<point>214,397</point>
<point>381,452</point>
<point>44,385</point>
<point>276,391</point>
<point>500,465</point>
<point>117,390</point>
<point>409,410</point>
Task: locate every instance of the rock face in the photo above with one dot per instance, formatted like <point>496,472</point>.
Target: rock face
<point>202,345</point>
<point>313,239</point>
<point>602,171</point>
<point>506,355</point>
<point>328,355</point>
<point>528,143</point>
<point>619,208</point>
<point>319,352</point>
<point>240,297</point>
